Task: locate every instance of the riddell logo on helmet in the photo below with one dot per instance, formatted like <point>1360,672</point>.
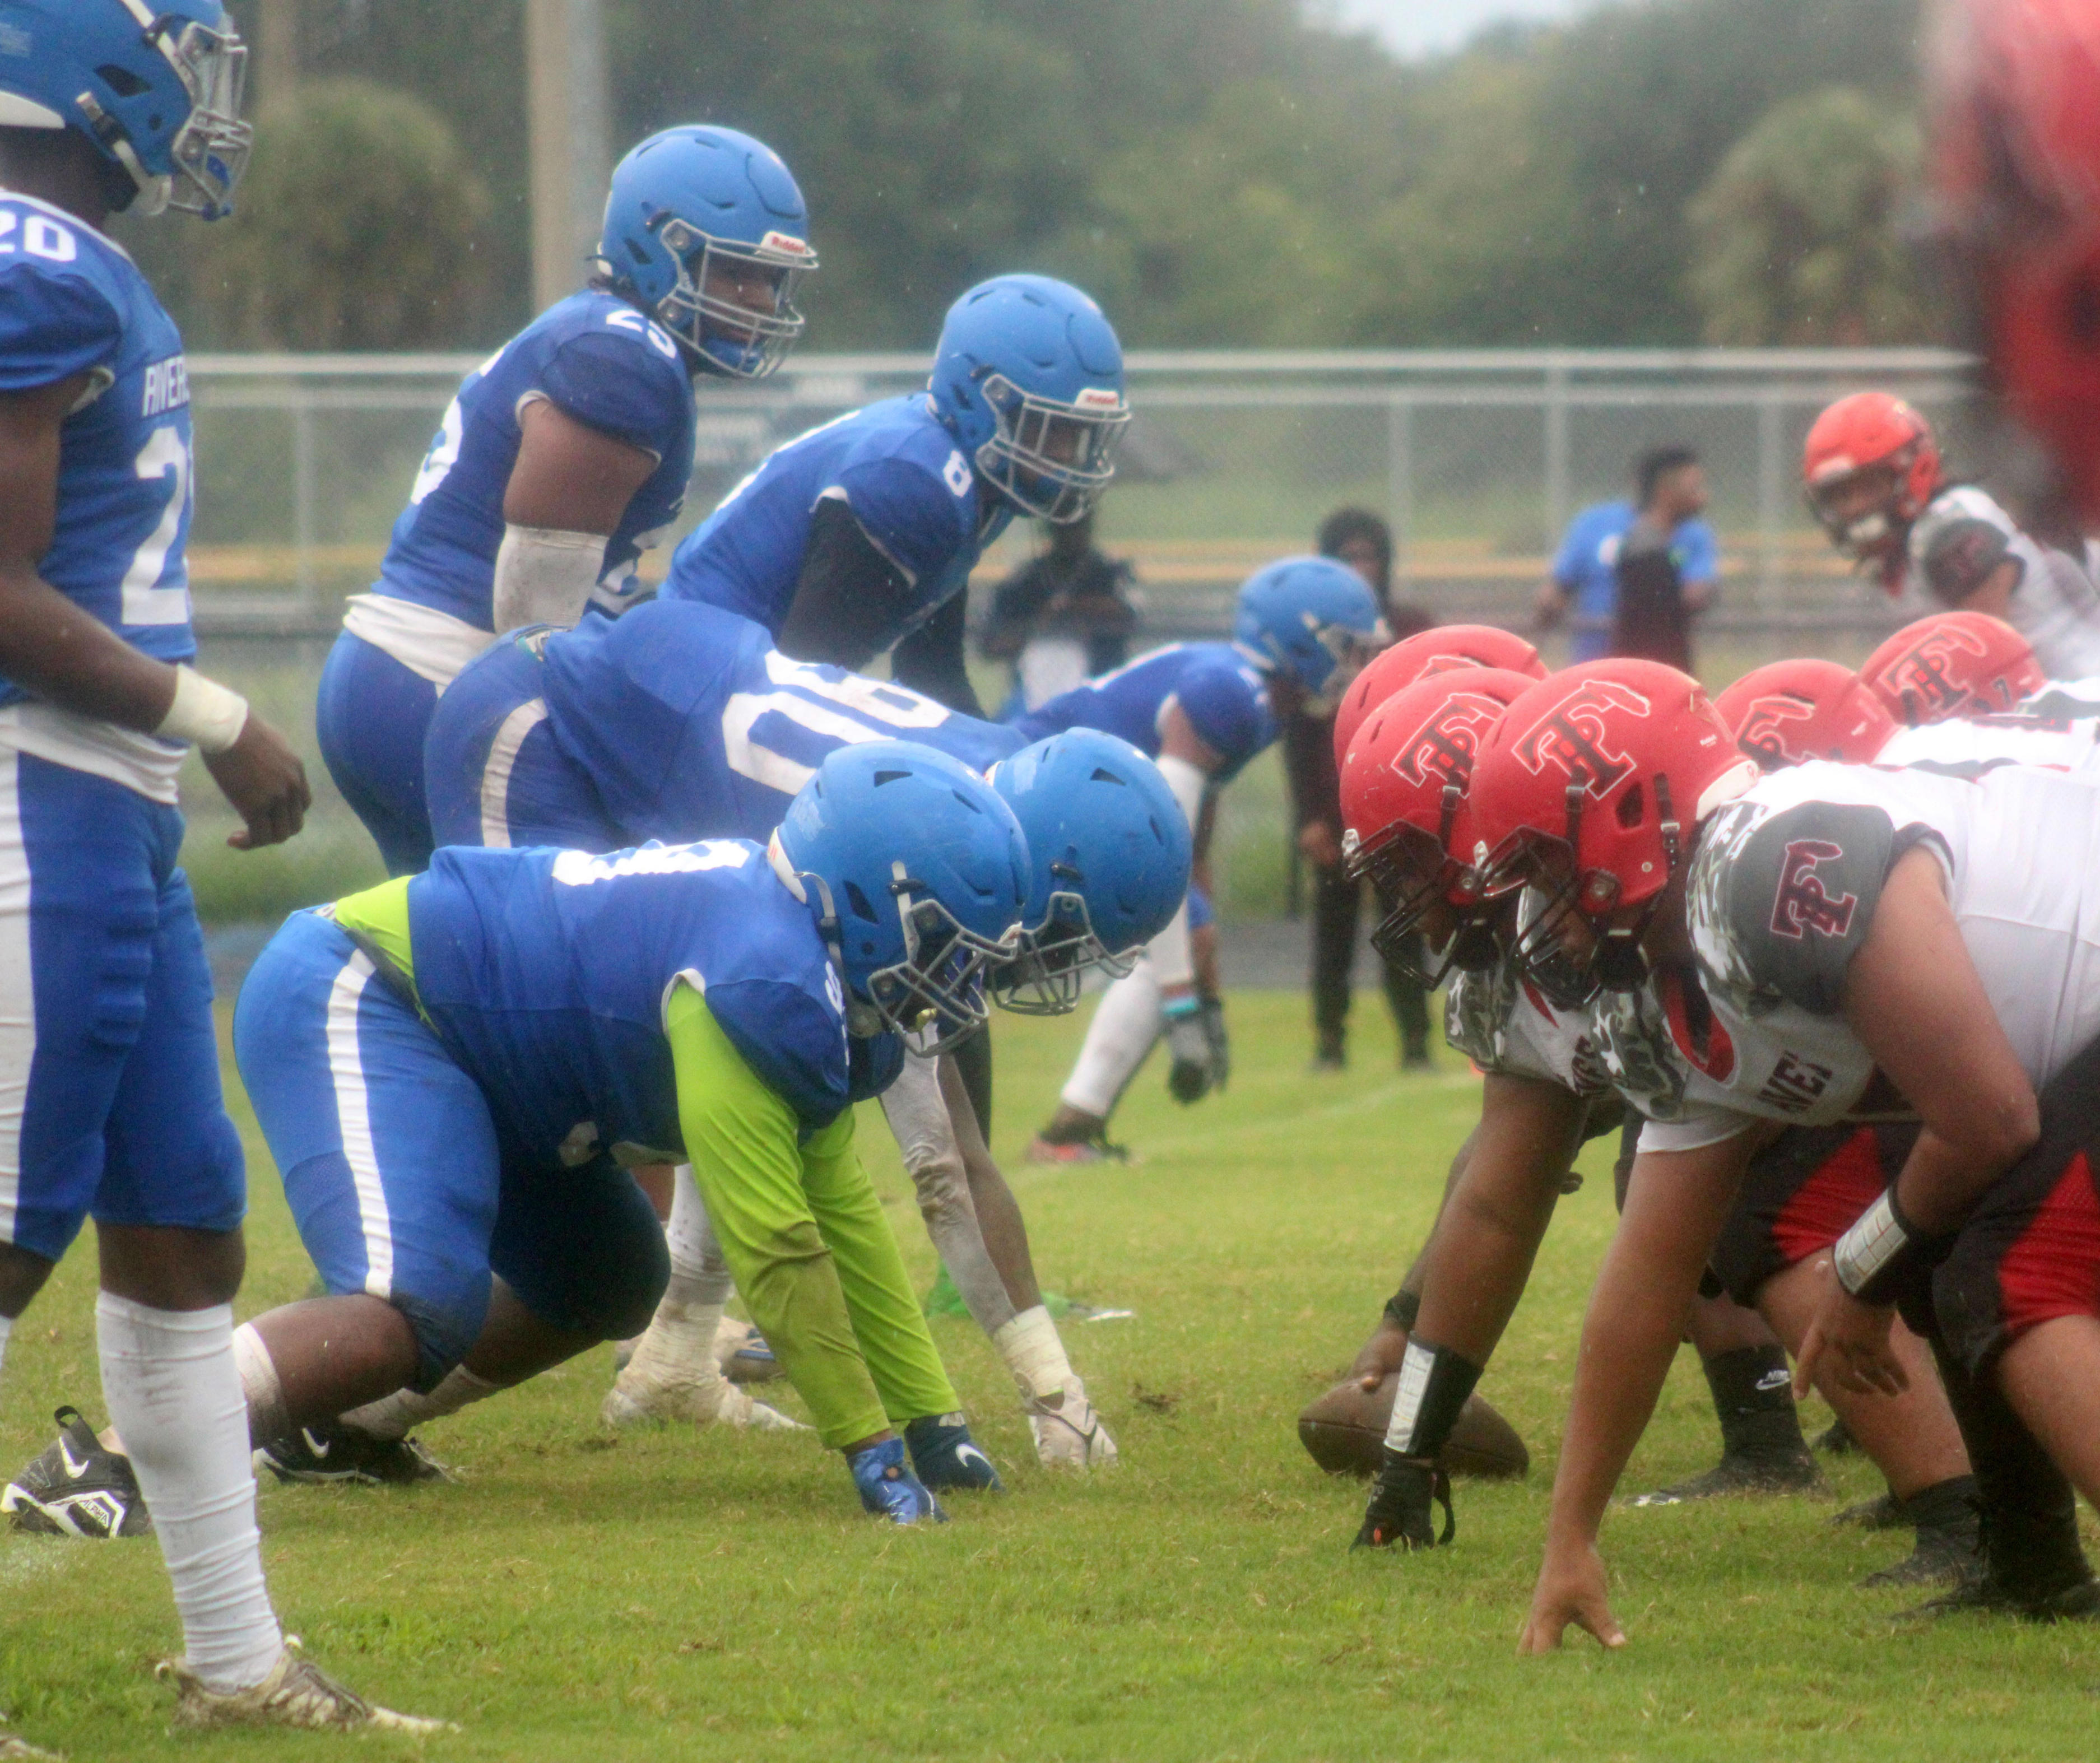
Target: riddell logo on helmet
<point>1098,398</point>
<point>1572,735</point>
<point>1444,747</point>
<point>1803,904</point>
<point>1763,730</point>
<point>786,244</point>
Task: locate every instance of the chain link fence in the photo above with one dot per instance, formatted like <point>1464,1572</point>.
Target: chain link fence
<point>1477,458</point>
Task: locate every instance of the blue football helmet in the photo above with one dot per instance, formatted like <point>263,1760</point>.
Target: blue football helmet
<point>1028,376</point>
<point>693,208</point>
<point>1109,854</point>
<point>918,873</point>
<point>156,87</point>
<point>1312,618</point>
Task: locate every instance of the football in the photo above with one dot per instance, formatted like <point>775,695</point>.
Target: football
<point>1344,1430</point>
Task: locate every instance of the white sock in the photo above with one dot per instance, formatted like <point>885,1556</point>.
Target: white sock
<point>1034,1355</point>
<point>700,1271</point>
<point>259,1386</point>
<point>1125,1026</point>
<point>398,1415</point>
<point>174,1392</point>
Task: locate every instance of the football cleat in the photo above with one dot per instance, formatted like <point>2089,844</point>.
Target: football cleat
<point>1068,1433</point>
<point>77,1487</point>
<point>14,1750</point>
<point>297,1693</point>
<point>1787,1470</point>
<point>652,1392</point>
<point>334,1453</point>
<point>888,1489</point>
<point>1885,1513</point>
<point>946,1457</point>
<point>1041,1150</point>
<point>1837,1440</point>
<point>1400,1511</point>
<point>1947,1518</point>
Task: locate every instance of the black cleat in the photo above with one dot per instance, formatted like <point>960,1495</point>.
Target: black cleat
<point>1948,1520</point>
<point>1400,1511</point>
<point>1885,1513</point>
<point>1788,1471</point>
<point>2033,1567</point>
<point>78,1488</point>
<point>337,1453</point>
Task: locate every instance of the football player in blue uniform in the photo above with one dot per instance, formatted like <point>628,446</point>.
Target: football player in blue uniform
<point>1303,628</point>
<point>108,1065</point>
<point>455,1072</point>
<point>680,720</point>
<point>566,453</point>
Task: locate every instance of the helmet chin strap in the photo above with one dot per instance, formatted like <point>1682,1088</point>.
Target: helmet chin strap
<point>862,1021</point>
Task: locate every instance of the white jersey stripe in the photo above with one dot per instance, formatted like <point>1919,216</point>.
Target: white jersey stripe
<point>496,775</point>
<point>353,1109</point>
<point>18,1001</point>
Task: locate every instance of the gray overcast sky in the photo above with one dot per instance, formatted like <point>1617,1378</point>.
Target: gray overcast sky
<point>1423,27</point>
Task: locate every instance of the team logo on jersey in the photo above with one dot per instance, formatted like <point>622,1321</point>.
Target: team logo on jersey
<point>1574,737</point>
<point>1442,749</point>
<point>1763,732</point>
<point>1802,903</point>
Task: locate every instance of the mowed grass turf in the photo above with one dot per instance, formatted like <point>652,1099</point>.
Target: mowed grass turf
<point>669,1595</point>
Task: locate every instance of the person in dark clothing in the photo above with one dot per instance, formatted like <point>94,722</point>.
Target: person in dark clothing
<point>1360,539</point>
<point>1063,617</point>
<point>1651,611</point>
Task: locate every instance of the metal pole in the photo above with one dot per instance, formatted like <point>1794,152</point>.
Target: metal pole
<point>1771,498</point>
<point>567,110</point>
<point>277,47</point>
<point>1556,451</point>
<point>590,121</point>
<point>1400,483</point>
<point>303,498</point>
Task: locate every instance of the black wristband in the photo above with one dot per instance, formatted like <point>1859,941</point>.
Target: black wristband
<point>1402,1308</point>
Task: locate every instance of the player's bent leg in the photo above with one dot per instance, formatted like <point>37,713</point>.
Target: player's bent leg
<point>370,717</point>
<point>901,1359</point>
<point>1763,1451</point>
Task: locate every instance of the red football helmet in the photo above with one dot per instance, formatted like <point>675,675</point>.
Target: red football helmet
<point>1789,712</point>
<point>1404,809</point>
<point>1953,664</point>
<point>2015,112</point>
<point>1430,651</point>
<point>1587,794</point>
<point>1870,467</point>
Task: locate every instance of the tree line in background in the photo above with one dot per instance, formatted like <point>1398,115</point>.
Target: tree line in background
<point>1219,172</point>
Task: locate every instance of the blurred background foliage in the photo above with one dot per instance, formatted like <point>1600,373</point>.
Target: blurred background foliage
<point>1220,173</point>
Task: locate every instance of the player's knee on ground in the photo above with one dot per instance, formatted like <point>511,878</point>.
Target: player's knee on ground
<point>583,1249</point>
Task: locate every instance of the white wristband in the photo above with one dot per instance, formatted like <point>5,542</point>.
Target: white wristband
<point>1871,1247</point>
<point>204,711</point>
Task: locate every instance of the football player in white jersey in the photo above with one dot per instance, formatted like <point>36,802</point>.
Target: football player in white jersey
<point>1874,477</point>
<point>1827,944</point>
<point>1403,794</point>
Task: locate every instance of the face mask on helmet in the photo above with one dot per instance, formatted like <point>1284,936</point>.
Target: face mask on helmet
<point>1436,917</point>
<point>1051,960</point>
<point>940,982</point>
<point>1861,511</point>
<point>1053,459</point>
<point>734,303</point>
<point>208,153</point>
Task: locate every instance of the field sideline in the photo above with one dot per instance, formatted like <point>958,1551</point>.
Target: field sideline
<point>665,1596</point>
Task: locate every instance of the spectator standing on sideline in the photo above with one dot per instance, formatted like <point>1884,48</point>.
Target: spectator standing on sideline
<point>1675,563</point>
<point>1361,539</point>
<point>1062,617</point>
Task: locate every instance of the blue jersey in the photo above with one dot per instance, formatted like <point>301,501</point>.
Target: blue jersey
<point>1224,695</point>
<point>691,724</point>
<point>548,972</point>
<point>72,303</point>
<point>1587,569</point>
<point>593,357</point>
<point>894,465</point>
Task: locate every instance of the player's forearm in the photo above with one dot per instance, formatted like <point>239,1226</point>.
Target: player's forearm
<point>68,657</point>
<point>1941,1182</point>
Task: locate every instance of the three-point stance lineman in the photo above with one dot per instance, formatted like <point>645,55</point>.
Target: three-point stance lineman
<point>565,454</point>
<point>455,1071</point>
<point>110,1092</point>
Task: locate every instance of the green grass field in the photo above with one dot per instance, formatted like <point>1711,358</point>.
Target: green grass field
<point>583,1596</point>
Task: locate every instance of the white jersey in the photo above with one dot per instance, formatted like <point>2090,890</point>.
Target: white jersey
<point>2023,737</point>
<point>2054,605</point>
<point>1504,1024</point>
<point>1782,888</point>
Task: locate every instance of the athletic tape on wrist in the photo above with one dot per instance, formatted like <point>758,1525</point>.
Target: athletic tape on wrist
<point>1434,1384</point>
<point>204,711</point>
<point>1869,1255</point>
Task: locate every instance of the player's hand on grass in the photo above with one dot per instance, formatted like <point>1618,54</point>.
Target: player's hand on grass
<point>1571,1588</point>
<point>266,782</point>
<point>1849,1340</point>
<point>1189,1079</point>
